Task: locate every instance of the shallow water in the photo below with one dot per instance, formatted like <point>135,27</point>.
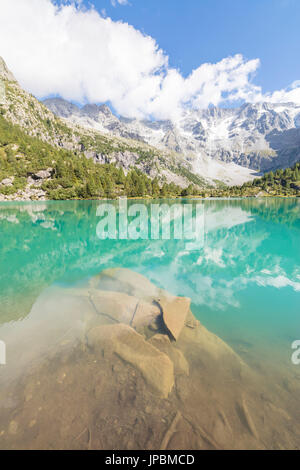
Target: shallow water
<point>244,283</point>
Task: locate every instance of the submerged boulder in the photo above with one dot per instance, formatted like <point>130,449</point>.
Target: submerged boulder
<point>162,342</point>
<point>125,280</point>
<point>128,297</point>
<point>120,377</point>
<point>117,306</point>
<point>123,308</point>
<point>147,317</point>
<point>174,311</point>
<point>155,366</point>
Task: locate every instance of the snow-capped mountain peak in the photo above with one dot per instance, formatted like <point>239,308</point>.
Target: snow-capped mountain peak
<point>248,136</point>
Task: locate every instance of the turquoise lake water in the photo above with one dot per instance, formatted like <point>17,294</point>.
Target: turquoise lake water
<point>244,282</point>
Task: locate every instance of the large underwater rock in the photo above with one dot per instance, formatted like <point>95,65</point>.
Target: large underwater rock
<point>155,366</point>
<point>125,280</point>
<point>122,364</point>
<point>130,298</point>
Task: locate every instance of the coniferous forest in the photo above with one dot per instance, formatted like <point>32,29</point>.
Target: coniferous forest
<point>73,176</point>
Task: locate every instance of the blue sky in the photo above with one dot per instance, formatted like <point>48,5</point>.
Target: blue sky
<point>196,31</point>
<point>154,58</point>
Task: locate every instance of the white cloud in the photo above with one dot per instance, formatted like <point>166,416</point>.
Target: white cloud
<point>120,2</point>
<point>211,255</point>
<point>275,281</point>
<point>288,95</point>
<point>75,52</point>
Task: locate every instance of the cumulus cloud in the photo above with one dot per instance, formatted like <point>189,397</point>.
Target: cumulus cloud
<point>287,95</point>
<point>81,55</point>
<point>120,2</point>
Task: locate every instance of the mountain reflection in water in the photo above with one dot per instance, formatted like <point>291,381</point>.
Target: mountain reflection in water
<point>244,284</point>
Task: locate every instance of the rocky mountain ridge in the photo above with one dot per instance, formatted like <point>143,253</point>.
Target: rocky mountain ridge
<point>21,108</point>
<point>260,137</point>
<point>203,148</point>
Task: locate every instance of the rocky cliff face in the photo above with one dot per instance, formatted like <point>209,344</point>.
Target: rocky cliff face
<point>259,136</point>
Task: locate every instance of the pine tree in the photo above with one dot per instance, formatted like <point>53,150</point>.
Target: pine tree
<point>155,188</point>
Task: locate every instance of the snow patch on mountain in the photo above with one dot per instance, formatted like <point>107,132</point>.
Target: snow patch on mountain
<point>229,144</point>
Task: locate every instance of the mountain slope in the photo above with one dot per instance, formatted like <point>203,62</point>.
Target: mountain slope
<point>260,137</point>
<point>33,169</point>
<point>203,148</point>
<point>22,109</point>
<point>162,134</point>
